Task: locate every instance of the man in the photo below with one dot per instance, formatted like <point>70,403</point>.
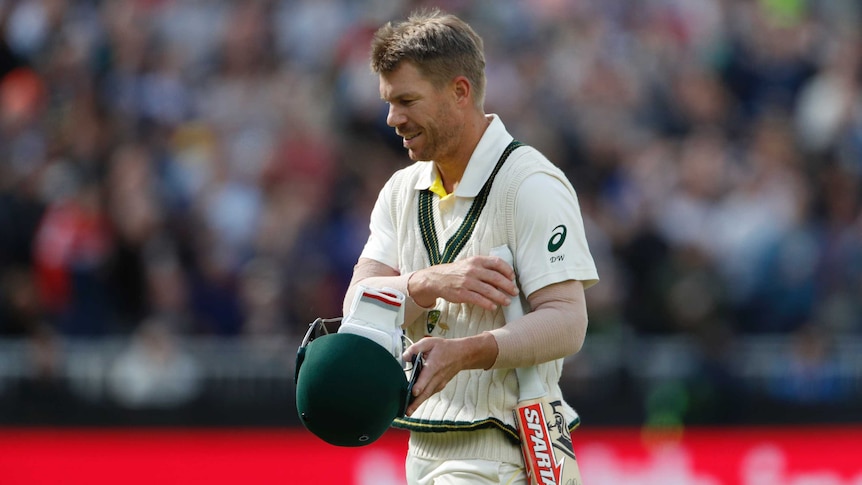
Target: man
<point>432,229</point>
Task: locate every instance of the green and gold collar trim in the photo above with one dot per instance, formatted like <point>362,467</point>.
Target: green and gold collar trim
<point>456,243</point>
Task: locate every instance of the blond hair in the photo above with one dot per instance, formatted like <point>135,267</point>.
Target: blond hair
<point>440,45</point>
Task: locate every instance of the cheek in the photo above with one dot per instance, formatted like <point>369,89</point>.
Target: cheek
<point>447,126</point>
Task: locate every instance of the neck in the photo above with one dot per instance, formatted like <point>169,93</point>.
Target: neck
<point>452,168</point>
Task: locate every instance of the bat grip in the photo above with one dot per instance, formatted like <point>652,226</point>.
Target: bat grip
<point>531,386</point>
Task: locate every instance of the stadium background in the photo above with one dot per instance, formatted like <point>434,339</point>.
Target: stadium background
<point>185,185</point>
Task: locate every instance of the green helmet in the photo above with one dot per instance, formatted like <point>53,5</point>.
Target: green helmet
<point>349,389</point>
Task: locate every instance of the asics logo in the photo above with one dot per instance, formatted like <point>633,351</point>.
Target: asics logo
<point>557,238</point>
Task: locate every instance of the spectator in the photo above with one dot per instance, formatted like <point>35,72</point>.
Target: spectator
<point>156,152</point>
<point>154,372</point>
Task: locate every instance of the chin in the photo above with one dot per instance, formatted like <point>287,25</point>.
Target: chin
<point>416,156</point>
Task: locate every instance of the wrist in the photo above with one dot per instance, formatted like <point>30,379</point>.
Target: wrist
<point>416,291</point>
<point>481,351</point>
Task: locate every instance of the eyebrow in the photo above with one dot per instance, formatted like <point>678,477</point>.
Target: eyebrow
<point>401,96</point>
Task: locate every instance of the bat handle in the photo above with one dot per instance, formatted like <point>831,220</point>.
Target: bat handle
<point>531,386</point>
<point>515,309</point>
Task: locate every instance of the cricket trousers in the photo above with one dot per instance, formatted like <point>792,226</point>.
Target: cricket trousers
<point>423,471</point>
<point>482,457</point>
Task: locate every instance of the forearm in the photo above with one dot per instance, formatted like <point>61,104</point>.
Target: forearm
<point>556,328</point>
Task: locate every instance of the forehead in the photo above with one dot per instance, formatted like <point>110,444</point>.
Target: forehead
<point>404,80</point>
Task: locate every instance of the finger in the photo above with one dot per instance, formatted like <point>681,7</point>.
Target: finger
<point>423,345</point>
<point>490,269</point>
<point>498,290</point>
<point>501,266</point>
<point>505,287</point>
<point>413,406</point>
<point>411,351</point>
<point>424,388</point>
<point>417,398</point>
<point>500,275</point>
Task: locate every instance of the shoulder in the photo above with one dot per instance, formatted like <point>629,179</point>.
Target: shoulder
<point>527,165</point>
<point>527,157</point>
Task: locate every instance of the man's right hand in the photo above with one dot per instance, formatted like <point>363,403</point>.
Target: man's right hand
<point>485,281</point>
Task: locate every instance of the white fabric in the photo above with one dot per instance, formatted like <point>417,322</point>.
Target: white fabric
<point>421,471</point>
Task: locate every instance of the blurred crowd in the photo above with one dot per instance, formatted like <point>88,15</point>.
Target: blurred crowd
<point>211,165</point>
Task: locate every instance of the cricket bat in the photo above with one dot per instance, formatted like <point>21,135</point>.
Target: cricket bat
<point>545,440</point>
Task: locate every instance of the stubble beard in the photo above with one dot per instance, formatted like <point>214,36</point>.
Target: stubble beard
<point>442,140</point>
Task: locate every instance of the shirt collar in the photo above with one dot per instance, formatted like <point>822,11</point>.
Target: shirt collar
<point>481,164</point>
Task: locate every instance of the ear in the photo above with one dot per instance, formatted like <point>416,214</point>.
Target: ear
<point>463,90</point>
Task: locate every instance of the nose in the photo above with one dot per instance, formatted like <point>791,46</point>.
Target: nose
<point>395,117</point>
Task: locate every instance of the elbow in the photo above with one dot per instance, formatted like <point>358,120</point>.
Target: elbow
<point>577,335</point>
